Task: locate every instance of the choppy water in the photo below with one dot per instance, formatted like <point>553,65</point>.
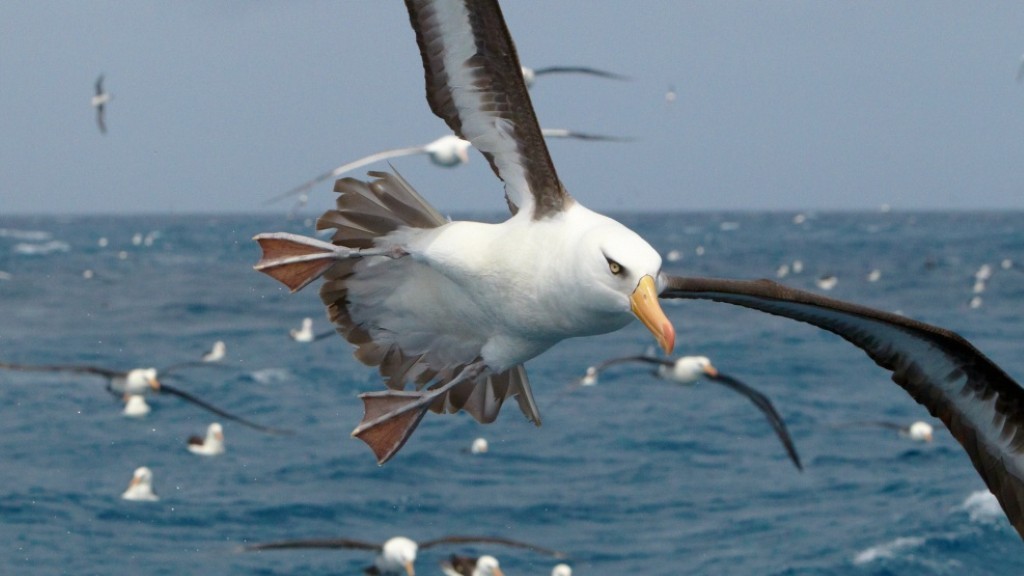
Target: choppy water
<point>630,476</point>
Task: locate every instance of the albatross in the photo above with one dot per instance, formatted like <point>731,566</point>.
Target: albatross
<point>99,102</point>
<point>447,151</point>
<point>141,486</point>
<point>139,381</point>
<point>397,555</point>
<point>454,309</point>
<point>689,369</point>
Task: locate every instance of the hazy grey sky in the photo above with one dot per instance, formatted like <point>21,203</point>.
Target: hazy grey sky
<point>781,105</point>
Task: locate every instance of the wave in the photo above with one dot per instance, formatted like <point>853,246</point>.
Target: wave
<point>30,235</point>
<point>29,249</point>
<point>888,550</point>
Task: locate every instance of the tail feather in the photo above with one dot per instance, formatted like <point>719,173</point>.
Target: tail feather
<point>295,260</point>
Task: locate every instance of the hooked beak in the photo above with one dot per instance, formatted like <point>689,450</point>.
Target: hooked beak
<point>409,569</point>
<point>644,304</point>
<point>154,384</point>
<point>711,371</point>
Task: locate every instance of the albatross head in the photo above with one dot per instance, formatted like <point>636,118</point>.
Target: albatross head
<point>487,566</point>
<point>625,273</point>
<point>397,556</point>
<point>688,369</point>
<point>141,380</point>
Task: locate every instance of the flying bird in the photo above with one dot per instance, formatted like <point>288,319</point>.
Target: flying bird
<point>918,430</point>
<point>397,555</point>
<point>459,306</point>
<point>455,308</point>
<point>306,334</point>
<point>689,369</point>
<point>216,353</point>
<point>139,381</point>
<point>530,74</point>
<point>210,445</point>
<point>99,102</point>
<point>141,486</point>
<point>447,151</point>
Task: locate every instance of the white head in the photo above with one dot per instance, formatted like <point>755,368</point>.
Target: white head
<point>561,570</point>
<point>215,433</point>
<point>448,150</point>
<point>487,566</point>
<point>397,556</point>
<point>141,486</point>
<point>621,273</point>
<point>920,431</point>
<point>688,369</point>
<point>304,334</point>
<point>141,380</point>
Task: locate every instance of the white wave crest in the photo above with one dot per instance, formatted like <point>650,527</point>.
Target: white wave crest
<point>29,249</point>
<point>982,506</point>
<point>887,550</point>
<point>29,235</point>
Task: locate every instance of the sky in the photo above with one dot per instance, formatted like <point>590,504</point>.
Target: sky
<point>219,106</point>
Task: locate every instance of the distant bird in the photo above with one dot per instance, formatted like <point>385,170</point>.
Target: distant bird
<point>217,353</point>
<point>99,102</point>
<point>141,486</point>
<point>530,74</point>
<point>135,406</point>
<point>689,369</point>
<point>561,570</point>
<point>919,431</point>
<point>827,282</point>
<point>211,445</point>
<point>457,565</point>
<point>875,275</point>
<point>397,555</point>
<point>479,446</point>
<point>447,151</point>
<point>139,381</point>
<point>305,333</point>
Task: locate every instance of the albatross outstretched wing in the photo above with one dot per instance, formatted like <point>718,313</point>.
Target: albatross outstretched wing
<point>980,404</point>
<point>475,84</point>
<point>79,369</point>
<point>315,543</point>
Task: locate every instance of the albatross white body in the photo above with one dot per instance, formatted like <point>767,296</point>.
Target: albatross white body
<point>502,292</point>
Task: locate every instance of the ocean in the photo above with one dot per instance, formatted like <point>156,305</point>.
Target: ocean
<point>632,475</point>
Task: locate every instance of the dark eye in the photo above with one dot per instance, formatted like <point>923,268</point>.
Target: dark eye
<point>615,267</point>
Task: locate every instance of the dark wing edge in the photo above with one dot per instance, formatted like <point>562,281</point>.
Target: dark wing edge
<point>165,388</point>
<point>977,401</point>
<point>479,91</point>
<point>491,540</point>
<point>314,543</point>
<point>80,369</point>
<point>764,404</point>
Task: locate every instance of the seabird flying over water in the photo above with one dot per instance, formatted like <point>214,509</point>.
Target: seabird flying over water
<point>397,555</point>
<point>99,102</point>
<point>217,353</point>
<point>211,445</point>
<point>457,565</point>
<point>457,307</point>
<point>689,369</point>
<point>530,74</point>
<point>139,381</point>
<point>919,430</point>
<point>447,151</point>
<point>141,486</point>
<point>306,334</point>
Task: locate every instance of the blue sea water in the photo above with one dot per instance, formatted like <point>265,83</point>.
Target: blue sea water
<point>633,475</point>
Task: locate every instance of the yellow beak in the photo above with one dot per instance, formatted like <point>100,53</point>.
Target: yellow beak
<point>409,569</point>
<point>154,384</point>
<point>644,303</point>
